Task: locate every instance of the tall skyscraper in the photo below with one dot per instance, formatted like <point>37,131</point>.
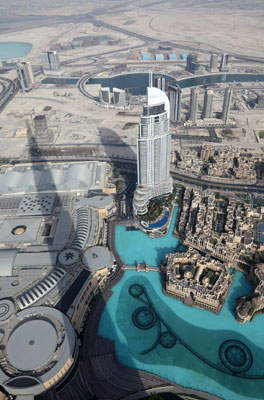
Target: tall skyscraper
<point>153,151</point>
<point>105,97</point>
<point>194,105</point>
<point>214,63</point>
<point>208,103</point>
<point>175,103</point>
<point>191,59</point>
<point>224,63</point>
<point>119,97</point>
<point>25,76</point>
<point>51,63</point>
<point>227,103</point>
<point>159,82</point>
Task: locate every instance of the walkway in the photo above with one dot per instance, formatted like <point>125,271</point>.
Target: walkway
<point>100,374</point>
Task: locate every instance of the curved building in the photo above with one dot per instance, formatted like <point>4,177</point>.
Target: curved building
<point>153,151</point>
<point>97,258</point>
<point>38,349</point>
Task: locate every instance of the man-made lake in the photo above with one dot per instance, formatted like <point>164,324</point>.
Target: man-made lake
<point>129,245</point>
<point>191,347</point>
<point>14,50</point>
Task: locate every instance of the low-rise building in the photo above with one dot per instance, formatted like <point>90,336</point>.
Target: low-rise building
<point>196,280</point>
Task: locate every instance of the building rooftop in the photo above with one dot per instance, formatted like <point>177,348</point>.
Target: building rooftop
<point>49,177</point>
<point>7,259</point>
<point>36,204</point>
<point>146,57</point>
<point>40,339</point>
<point>18,230</point>
<point>97,258</point>
<point>35,338</point>
<point>94,200</point>
<point>159,57</point>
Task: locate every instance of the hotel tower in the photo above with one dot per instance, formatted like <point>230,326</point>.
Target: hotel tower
<point>153,151</point>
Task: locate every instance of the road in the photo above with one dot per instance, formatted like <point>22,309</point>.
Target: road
<point>82,82</point>
<point>7,94</point>
<point>178,177</point>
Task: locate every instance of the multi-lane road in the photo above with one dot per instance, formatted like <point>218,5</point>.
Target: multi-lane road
<point>9,90</point>
<point>49,154</point>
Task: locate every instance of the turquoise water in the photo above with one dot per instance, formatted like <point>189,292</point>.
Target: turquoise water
<point>136,246</point>
<point>194,348</point>
<point>194,361</point>
<point>14,50</point>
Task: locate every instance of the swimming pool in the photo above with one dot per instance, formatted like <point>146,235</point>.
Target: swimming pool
<point>162,222</point>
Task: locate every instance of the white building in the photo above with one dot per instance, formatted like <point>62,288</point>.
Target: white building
<point>153,151</point>
<point>25,76</point>
<point>208,103</point>
<point>51,63</point>
<point>105,96</point>
<point>119,97</point>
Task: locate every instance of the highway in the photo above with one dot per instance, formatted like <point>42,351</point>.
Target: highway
<point>82,156</point>
<point>82,82</point>
<point>7,94</point>
<point>3,88</point>
<point>124,31</point>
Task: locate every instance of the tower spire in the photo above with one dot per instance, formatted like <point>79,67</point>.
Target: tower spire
<point>150,78</point>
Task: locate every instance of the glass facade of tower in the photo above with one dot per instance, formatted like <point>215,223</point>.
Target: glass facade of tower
<point>153,151</point>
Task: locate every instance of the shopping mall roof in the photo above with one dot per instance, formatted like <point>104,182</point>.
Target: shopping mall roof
<point>18,230</point>
<point>97,258</point>
<point>37,339</point>
<point>36,204</point>
<point>49,177</point>
<point>7,259</point>
<point>94,200</point>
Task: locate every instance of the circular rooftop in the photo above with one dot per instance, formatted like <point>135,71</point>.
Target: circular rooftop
<point>31,344</point>
<point>19,230</point>
<point>39,339</point>
<point>68,257</point>
<point>97,258</point>
<point>7,309</point>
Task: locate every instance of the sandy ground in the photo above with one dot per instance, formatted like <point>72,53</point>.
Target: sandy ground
<point>235,27</point>
<point>73,117</point>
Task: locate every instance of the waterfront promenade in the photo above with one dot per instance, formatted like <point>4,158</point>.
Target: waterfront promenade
<point>99,374</point>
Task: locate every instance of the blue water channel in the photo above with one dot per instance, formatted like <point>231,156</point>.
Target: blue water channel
<point>191,347</point>
<point>136,83</point>
<point>14,50</point>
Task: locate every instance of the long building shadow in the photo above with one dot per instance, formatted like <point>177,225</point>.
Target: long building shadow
<point>124,170</point>
<point>97,372</point>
